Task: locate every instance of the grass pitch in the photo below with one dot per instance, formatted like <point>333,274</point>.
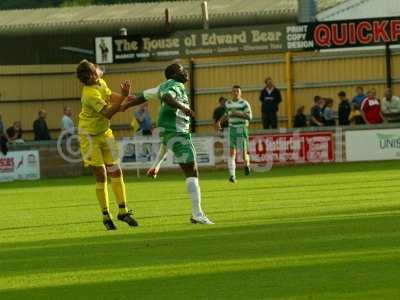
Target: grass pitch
<point>310,232</point>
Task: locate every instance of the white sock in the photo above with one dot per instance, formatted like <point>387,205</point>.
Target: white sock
<point>193,188</point>
<point>161,155</point>
<point>247,160</point>
<point>231,166</point>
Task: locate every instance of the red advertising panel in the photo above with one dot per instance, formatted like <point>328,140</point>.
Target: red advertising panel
<point>342,34</point>
<point>310,147</point>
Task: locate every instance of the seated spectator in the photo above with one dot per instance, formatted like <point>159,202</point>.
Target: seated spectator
<point>355,117</point>
<point>67,124</point>
<point>344,109</point>
<point>316,112</point>
<point>142,115</point>
<point>359,97</point>
<point>218,113</point>
<point>40,128</point>
<point>391,106</point>
<point>371,109</point>
<point>300,119</point>
<point>328,113</point>
<point>14,133</point>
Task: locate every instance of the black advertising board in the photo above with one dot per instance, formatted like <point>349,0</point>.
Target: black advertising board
<point>226,41</point>
<point>246,40</point>
<point>343,34</point>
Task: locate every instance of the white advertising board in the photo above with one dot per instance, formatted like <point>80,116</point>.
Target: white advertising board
<point>19,165</point>
<point>364,145</point>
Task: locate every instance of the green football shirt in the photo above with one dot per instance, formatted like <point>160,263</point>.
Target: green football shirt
<point>169,118</point>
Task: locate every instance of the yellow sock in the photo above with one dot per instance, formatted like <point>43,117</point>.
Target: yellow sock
<point>102,196</point>
<point>118,187</point>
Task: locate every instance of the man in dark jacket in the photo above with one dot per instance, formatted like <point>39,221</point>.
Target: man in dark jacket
<point>40,127</point>
<point>218,113</point>
<point>344,109</point>
<point>270,98</point>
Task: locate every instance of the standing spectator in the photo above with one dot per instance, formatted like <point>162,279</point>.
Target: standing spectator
<point>270,98</point>
<point>316,112</point>
<point>142,115</point>
<point>300,119</point>
<point>371,109</point>
<point>3,139</point>
<point>328,113</point>
<point>1,126</point>
<point>344,109</point>
<point>14,133</point>
<point>355,115</point>
<point>218,113</point>
<point>359,97</point>
<point>40,127</point>
<point>391,106</point>
<point>67,124</point>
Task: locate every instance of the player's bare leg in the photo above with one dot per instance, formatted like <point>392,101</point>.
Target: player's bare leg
<point>193,187</point>
<point>118,186</point>
<point>161,155</point>
<point>232,165</point>
<point>102,195</point>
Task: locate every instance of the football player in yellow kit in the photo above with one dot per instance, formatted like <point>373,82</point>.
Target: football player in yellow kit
<point>98,146</point>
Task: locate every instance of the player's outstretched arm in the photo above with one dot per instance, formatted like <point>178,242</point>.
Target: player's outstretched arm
<point>171,102</point>
<point>132,100</point>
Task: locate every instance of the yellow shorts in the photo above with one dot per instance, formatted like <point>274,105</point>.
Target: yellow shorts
<point>99,150</point>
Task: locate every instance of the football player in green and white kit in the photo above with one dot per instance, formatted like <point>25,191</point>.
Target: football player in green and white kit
<point>174,121</point>
<point>238,112</point>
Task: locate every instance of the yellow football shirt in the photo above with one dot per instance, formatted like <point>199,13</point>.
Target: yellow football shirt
<point>94,99</point>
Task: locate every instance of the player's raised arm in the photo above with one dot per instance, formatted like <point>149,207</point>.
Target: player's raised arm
<point>116,100</point>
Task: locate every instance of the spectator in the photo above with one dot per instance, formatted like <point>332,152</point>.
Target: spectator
<point>344,109</point>
<point>3,144</point>
<point>219,112</point>
<point>373,93</point>
<point>67,124</point>
<point>300,119</point>
<point>142,115</point>
<point>371,109</point>
<point>270,98</point>
<point>355,115</point>
<point>1,126</point>
<point>316,112</point>
<point>391,106</point>
<point>328,113</point>
<point>14,133</point>
<point>3,139</point>
<point>40,127</point>
<point>359,97</point>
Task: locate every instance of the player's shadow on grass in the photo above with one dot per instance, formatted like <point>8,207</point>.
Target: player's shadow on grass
<point>352,278</point>
<point>200,244</point>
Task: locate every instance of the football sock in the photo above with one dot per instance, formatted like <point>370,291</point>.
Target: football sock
<point>161,155</point>
<point>231,166</point>
<point>193,188</point>
<point>102,196</point>
<point>247,160</point>
<point>118,187</point>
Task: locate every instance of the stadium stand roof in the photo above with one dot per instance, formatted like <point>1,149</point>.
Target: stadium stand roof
<point>149,17</point>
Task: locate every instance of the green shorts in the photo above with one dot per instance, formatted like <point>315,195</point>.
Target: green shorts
<point>181,145</point>
<point>239,138</point>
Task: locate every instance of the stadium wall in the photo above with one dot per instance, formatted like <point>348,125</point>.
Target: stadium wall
<point>26,89</point>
